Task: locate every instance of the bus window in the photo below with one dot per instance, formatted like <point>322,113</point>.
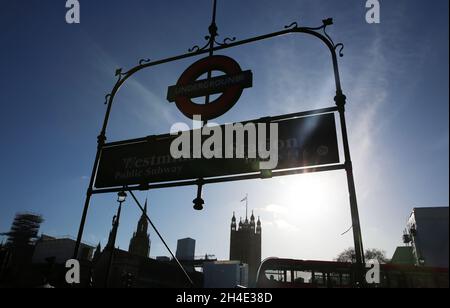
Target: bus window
<point>334,280</point>
<point>274,275</point>
<point>346,280</point>
<point>288,276</point>
<point>307,274</point>
<point>302,277</point>
<point>319,279</point>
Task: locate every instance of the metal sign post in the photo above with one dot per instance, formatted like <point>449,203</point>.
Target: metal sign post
<point>197,89</point>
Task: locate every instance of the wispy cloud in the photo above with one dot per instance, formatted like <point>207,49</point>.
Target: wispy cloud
<point>154,106</point>
<point>275,209</point>
<point>285,226</point>
<point>294,84</point>
<point>145,106</point>
<point>368,95</point>
<point>277,216</point>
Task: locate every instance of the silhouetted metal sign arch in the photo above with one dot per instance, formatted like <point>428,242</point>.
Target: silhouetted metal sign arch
<point>211,46</point>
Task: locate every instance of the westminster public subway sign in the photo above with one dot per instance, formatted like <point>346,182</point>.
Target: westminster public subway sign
<point>301,142</point>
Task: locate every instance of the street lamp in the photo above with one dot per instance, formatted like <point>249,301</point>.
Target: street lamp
<point>199,202</point>
<point>121,197</point>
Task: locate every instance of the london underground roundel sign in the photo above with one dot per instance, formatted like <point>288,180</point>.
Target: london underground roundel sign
<point>231,85</point>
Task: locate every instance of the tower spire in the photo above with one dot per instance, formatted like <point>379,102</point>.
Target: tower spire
<point>140,242</point>
<point>246,206</point>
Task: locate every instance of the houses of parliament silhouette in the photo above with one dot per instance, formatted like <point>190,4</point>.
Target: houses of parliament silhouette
<point>245,247</point>
<point>245,242</point>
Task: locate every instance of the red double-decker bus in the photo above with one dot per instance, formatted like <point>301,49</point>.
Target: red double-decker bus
<point>289,273</point>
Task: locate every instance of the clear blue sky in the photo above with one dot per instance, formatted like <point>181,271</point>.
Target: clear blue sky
<point>395,75</point>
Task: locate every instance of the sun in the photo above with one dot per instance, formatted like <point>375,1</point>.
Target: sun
<point>302,202</point>
<point>303,194</point>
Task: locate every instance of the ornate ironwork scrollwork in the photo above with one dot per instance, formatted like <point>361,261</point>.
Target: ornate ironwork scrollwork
<point>341,48</point>
<point>143,61</point>
<point>119,73</point>
<point>211,38</point>
<point>107,97</point>
<point>323,28</point>
<point>226,41</point>
<point>328,22</point>
<point>197,48</point>
<point>293,25</point>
